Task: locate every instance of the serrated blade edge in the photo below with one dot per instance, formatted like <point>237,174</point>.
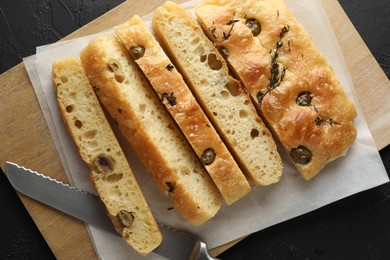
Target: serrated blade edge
<point>176,245</point>
<point>58,195</point>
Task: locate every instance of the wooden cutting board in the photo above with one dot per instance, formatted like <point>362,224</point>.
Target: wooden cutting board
<point>26,140</point>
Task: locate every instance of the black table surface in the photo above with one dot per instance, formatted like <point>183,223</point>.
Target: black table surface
<point>357,227</point>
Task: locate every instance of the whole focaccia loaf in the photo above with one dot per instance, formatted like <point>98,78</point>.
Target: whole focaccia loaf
<point>151,131</point>
<point>100,150</point>
<point>179,101</point>
<point>292,84</point>
<point>223,99</point>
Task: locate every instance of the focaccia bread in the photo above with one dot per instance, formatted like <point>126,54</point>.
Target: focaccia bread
<point>151,131</point>
<point>292,84</point>
<point>109,169</point>
<point>224,100</point>
<point>179,101</point>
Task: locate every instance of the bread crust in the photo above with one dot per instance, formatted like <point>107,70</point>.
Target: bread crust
<point>109,170</point>
<point>224,100</point>
<point>117,93</point>
<point>278,65</point>
<point>179,101</point>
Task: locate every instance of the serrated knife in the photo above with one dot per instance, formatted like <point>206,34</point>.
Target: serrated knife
<point>88,208</point>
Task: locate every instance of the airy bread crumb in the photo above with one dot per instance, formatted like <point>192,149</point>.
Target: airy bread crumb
<point>290,81</point>
<point>109,170</point>
<point>179,101</point>
<point>143,120</point>
<point>224,100</point>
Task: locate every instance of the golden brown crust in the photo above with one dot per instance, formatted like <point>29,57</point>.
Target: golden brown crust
<point>109,170</point>
<point>224,100</point>
<point>143,120</point>
<point>179,101</point>
<point>325,125</point>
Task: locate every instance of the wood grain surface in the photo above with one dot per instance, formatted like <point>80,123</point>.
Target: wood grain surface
<point>26,140</point>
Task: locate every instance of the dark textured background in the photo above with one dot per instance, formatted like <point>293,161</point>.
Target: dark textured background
<point>357,227</point>
<point>372,21</point>
<point>25,24</point>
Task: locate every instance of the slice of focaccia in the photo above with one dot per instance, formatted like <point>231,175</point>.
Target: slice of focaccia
<point>223,99</point>
<point>100,150</point>
<point>292,84</point>
<point>143,120</point>
<point>179,101</point>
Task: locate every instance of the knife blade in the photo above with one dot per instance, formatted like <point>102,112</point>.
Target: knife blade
<point>89,208</point>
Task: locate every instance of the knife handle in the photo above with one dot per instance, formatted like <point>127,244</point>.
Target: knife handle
<point>201,252</point>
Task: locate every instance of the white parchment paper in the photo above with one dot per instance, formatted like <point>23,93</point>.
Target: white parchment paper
<point>360,170</point>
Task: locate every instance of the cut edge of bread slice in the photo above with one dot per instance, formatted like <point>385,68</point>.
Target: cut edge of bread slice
<point>144,122</point>
<point>109,169</point>
<point>182,105</point>
<point>224,100</point>
<point>279,65</point>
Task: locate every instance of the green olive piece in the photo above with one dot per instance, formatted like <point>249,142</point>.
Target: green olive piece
<point>137,52</point>
<point>301,155</point>
<point>103,164</point>
<point>304,98</point>
<point>125,218</point>
<point>254,25</point>
<point>208,156</point>
<point>114,65</point>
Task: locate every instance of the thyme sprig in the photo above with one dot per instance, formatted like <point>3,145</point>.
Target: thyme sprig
<point>225,36</point>
<point>278,71</point>
<point>171,186</point>
<point>319,121</point>
<point>170,97</point>
<point>170,67</point>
